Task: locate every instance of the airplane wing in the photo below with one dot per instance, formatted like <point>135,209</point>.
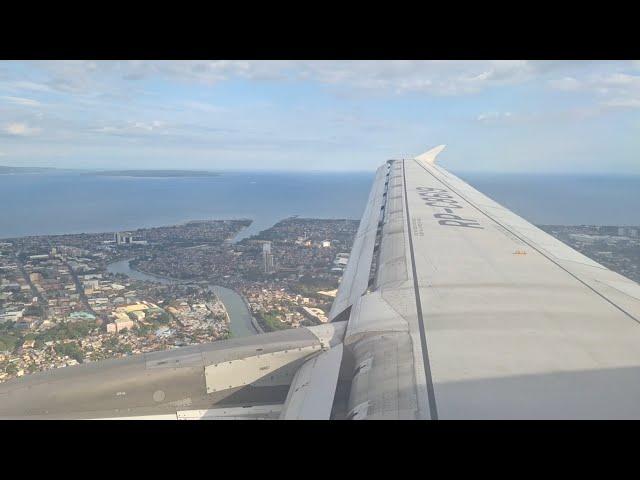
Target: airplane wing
<point>254,377</point>
<point>450,307</point>
<point>472,312</point>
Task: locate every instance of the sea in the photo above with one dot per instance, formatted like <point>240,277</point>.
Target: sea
<point>72,202</point>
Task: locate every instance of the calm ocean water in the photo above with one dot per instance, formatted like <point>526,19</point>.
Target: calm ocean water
<point>73,203</point>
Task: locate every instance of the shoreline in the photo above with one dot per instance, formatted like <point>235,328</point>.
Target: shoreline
<point>255,323</point>
<point>142,226</point>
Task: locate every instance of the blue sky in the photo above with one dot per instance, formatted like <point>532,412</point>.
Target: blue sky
<point>511,116</point>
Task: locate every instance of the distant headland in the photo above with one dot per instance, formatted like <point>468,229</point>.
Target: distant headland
<point>7,170</point>
<point>154,173</point>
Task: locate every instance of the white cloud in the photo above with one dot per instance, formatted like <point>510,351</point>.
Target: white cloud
<point>20,129</point>
<point>620,79</point>
<point>491,116</point>
<point>429,77</point>
<point>610,89</point>
<point>321,109</point>
<point>22,85</point>
<point>432,77</point>
<point>623,103</point>
<point>397,76</point>
<point>27,102</point>
<point>132,128</point>
<point>203,107</point>
<point>567,84</point>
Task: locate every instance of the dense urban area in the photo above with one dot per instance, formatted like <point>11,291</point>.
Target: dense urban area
<point>617,248</point>
<point>62,303</point>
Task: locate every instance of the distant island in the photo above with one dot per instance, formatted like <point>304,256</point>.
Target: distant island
<point>154,173</point>
<point>8,170</point>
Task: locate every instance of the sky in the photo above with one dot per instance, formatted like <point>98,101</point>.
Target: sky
<point>494,116</point>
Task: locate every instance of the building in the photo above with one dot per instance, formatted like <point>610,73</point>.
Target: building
<point>316,314</point>
<point>267,258</point>
<point>164,332</point>
<point>328,293</point>
<point>77,316</point>
<point>136,307</point>
<point>124,238</point>
<point>120,323</point>
<point>35,277</point>
<point>92,284</point>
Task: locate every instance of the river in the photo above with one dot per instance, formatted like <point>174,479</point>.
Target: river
<point>240,318</point>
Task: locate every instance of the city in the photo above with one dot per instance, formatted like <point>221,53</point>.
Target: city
<point>64,302</point>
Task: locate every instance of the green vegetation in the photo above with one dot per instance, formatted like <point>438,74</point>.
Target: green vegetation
<point>145,329</point>
<point>8,342</point>
<point>271,321</point>
<point>11,369</point>
<point>163,318</point>
<point>309,286</point>
<point>34,310</point>
<point>10,337</point>
<point>70,349</point>
<point>114,344</point>
<point>67,330</point>
<point>7,326</point>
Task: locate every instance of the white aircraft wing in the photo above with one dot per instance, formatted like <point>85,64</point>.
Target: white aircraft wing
<point>472,312</point>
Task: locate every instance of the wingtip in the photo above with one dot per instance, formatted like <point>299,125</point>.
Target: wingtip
<point>430,156</point>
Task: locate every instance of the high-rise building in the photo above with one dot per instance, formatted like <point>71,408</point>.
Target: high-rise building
<point>124,238</point>
<point>267,258</point>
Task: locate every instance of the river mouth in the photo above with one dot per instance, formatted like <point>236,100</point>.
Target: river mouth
<point>241,321</point>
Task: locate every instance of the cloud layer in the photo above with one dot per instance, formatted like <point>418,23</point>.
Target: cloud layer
<point>496,115</point>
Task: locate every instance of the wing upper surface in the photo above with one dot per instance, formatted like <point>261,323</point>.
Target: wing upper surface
<point>517,324</point>
<point>472,312</point>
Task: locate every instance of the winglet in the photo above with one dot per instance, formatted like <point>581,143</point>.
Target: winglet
<point>430,156</point>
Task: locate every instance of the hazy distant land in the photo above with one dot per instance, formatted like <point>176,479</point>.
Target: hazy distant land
<point>7,170</point>
<point>154,173</point>
<point>113,173</point>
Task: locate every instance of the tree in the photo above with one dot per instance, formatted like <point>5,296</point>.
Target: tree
<point>71,350</point>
